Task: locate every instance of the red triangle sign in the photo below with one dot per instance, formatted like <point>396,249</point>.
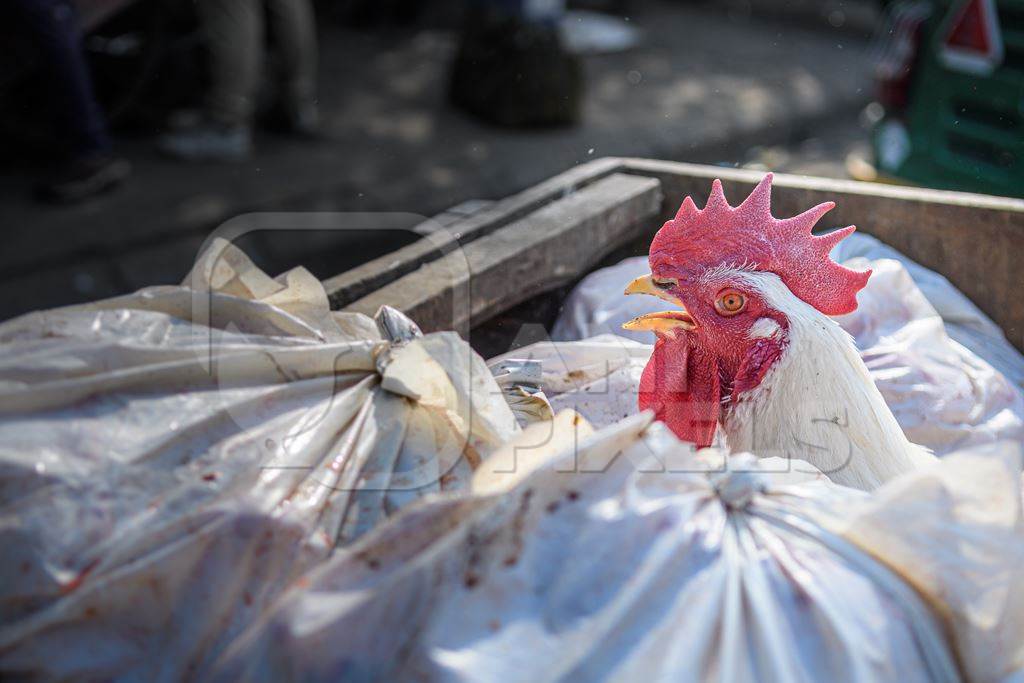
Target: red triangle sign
<point>970,31</point>
<point>973,42</point>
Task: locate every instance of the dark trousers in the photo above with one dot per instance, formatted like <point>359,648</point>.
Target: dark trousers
<point>54,28</point>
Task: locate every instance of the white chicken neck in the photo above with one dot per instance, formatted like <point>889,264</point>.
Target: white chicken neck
<point>818,403</point>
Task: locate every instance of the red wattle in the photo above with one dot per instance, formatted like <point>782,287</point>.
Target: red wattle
<point>682,387</point>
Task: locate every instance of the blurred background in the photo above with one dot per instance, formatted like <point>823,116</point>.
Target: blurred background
<point>130,129</point>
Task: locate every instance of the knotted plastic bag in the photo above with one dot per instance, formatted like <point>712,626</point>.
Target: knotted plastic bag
<point>623,555</point>
<point>171,460</point>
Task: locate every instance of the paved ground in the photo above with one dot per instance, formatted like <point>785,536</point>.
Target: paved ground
<point>705,86</point>
<point>831,150</point>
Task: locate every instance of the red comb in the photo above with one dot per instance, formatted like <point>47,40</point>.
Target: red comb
<point>748,236</point>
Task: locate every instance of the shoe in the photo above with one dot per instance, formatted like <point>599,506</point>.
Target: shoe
<point>304,119</point>
<point>300,119</point>
<point>206,140</point>
<point>84,178</point>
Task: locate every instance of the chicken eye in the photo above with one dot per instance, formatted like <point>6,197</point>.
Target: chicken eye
<point>730,302</point>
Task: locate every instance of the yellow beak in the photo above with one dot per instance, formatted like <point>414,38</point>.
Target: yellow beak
<point>645,285</point>
<point>666,323</point>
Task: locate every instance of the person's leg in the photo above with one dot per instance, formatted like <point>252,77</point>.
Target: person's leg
<point>234,36</point>
<point>82,127</point>
<point>294,29</point>
<point>54,25</point>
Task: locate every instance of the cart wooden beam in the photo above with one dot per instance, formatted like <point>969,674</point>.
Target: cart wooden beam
<point>555,232</point>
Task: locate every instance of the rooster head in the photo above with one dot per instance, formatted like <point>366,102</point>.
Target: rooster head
<point>735,276</point>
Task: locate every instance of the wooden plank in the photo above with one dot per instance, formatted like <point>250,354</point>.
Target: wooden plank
<point>974,240</point>
<point>552,245</point>
<point>351,285</point>
<point>971,239</point>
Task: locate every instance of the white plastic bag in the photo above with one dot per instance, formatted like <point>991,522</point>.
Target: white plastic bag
<point>623,556</point>
<point>597,377</point>
<point>964,322</point>
<point>170,461</point>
